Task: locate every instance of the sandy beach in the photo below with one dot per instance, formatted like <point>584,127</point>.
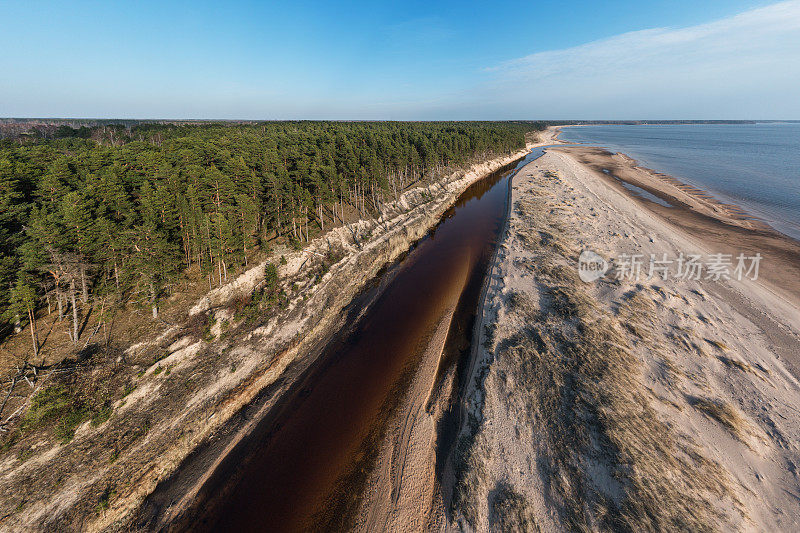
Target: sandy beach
<point>723,227</point>
<point>644,403</point>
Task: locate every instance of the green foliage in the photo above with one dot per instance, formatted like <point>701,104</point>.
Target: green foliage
<point>245,307</point>
<point>208,336</point>
<point>138,206</point>
<point>105,499</point>
<point>23,296</point>
<point>262,302</point>
<point>270,277</point>
<point>69,422</point>
<point>102,415</point>
<point>47,405</point>
<point>63,410</point>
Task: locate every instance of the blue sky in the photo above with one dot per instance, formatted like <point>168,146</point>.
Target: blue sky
<point>393,60</point>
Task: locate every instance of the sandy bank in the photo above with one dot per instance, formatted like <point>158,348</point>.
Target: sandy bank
<point>623,403</point>
<point>406,487</point>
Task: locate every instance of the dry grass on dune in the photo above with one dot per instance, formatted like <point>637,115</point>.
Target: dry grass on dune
<point>511,512</point>
<point>605,458</point>
<point>725,414</point>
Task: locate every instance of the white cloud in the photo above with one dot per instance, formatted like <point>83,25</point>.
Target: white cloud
<point>745,66</point>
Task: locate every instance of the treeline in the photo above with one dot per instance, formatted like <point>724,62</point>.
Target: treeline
<point>115,213</point>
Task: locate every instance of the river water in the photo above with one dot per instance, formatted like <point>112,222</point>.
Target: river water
<point>307,464</point>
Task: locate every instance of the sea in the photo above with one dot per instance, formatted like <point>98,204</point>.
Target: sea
<point>755,166</point>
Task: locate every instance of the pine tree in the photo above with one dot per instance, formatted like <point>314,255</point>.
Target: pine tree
<point>23,297</point>
<point>95,212</point>
<point>13,209</point>
<point>76,217</point>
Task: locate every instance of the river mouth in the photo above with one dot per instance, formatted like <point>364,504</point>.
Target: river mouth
<point>305,465</point>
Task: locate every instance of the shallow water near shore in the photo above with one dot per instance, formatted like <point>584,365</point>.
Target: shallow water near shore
<point>312,456</point>
<point>756,166</point>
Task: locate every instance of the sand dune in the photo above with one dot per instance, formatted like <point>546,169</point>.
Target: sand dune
<point>623,403</point>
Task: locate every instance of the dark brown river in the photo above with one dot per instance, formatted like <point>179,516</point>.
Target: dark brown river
<point>306,463</point>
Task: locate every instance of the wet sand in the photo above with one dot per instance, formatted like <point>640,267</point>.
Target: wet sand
<point>721,227</point>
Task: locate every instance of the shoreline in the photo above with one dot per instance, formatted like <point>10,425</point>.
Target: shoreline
<point>725,227</point>
<point>713,220</point>
<point>736,207</point>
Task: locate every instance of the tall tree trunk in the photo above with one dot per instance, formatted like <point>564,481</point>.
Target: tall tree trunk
<point>60,301</point>
<point>32,320</point>
<point>244,239</point>
<point>74,310</point>
<point>187,245</point>
<point>84,286</point>
<point>153,301</point>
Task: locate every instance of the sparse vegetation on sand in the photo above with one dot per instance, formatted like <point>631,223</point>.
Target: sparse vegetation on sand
<point>724,413</point>
<point>511,511</point>
<point>606,459</point>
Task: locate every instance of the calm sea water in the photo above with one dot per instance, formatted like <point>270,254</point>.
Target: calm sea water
<point>756,166</point>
